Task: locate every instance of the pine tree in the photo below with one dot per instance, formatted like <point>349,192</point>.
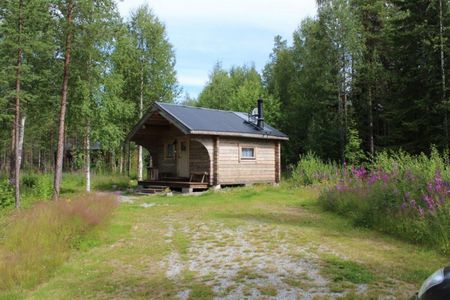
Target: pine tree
<point>22,29</point>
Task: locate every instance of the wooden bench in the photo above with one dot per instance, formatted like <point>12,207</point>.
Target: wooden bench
<point>202,176</point>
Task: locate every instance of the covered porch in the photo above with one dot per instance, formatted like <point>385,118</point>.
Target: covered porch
<point>178,161</point>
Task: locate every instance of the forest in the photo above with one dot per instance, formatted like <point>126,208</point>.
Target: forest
<point>358,78</point>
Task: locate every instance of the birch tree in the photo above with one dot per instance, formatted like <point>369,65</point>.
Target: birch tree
<point>146,60</point>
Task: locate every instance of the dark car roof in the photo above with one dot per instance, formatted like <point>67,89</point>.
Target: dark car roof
<point>199,120</point>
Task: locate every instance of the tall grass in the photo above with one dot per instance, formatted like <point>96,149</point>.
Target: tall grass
<point>37,240</point>
<point>400,194</point>
<point>39,186</point>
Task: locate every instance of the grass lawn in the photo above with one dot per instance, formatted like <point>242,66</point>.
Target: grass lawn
<point>258,242</point>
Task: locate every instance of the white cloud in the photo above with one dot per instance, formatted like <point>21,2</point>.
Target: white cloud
<point>270,14</point>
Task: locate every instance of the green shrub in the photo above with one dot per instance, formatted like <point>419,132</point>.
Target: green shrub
<point>311,169</point>
<point>37,186</point>
<point>6,194</point>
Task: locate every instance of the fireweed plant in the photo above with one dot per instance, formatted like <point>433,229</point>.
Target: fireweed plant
<point>400,194</point>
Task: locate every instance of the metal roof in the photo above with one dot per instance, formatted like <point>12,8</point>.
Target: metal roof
<point>198,120</point>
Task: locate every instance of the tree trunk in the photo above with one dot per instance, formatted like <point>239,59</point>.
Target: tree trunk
<point>39,158</point>
<point>141,109</point>
<point>17,136</point>
<point>88,157</point>
<point>129,160</point>
<point>371,141</point>
<point>341,127</point>
<point>62,114</point>
<point>113,162</point>
<point>121,161</point>
<point>12,165</point>
<point>21,137</point>
<point>444,97</point>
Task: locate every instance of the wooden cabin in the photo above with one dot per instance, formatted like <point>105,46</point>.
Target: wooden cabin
<point>196,148</point>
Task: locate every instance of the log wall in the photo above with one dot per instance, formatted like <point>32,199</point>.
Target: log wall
<point>232,169</point>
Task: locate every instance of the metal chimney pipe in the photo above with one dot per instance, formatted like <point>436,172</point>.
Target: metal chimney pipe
<point>260,113</point>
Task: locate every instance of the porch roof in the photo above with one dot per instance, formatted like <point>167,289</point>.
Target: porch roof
<point>206,121</point>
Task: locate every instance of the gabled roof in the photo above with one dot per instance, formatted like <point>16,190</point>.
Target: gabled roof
<point>197,120</point>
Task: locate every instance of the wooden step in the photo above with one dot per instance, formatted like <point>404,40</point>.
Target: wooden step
<point>150,189</point>
<point>150,186</point>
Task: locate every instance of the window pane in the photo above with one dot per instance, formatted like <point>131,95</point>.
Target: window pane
<point>248,152</point>
<point>170,150</point>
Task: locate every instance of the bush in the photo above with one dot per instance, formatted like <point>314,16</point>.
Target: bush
<point>37,186</point>
<point>6,194</point>
<point>38,239</point>
<point>312,170</point>
<point>404,195</point>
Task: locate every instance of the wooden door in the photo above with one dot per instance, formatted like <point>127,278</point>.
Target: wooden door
<point>183,157</point>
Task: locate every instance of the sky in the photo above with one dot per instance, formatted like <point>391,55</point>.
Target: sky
<point>232,32</point>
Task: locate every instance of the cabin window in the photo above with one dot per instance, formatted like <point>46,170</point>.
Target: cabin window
<point>247,153</point>
<point>170,151</point>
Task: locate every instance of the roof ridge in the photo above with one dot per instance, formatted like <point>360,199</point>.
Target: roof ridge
<point>203,108</point>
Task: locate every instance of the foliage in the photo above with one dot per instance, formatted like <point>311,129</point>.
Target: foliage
<point>237,90</point>
<point>37,186</point>
<point>310,169</point>
<point>381,77</point>
<point>404,195</point>
<point>39,239</point>
<point>353,153</point>
<point>6,194</point>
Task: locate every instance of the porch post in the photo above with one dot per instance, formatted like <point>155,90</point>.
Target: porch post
<point>277,162</point>
<point>216,161</point>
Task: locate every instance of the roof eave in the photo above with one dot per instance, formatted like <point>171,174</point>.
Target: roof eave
<point>239,134</point>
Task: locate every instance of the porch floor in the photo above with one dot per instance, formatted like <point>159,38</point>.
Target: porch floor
<point>174,184</point>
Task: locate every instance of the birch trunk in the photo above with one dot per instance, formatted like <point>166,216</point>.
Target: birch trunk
<point>62,114</point>
<point>121,161</point>
<point>21,137</point>
<point>141,108</point>
<point>17,136</point>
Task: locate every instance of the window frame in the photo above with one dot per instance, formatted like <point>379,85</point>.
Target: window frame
<point>242,157</point>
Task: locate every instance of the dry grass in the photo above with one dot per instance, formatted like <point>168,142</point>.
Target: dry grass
<point>39,239</point>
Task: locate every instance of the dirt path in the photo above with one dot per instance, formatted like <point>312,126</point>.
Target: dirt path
<point>249,261</point>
